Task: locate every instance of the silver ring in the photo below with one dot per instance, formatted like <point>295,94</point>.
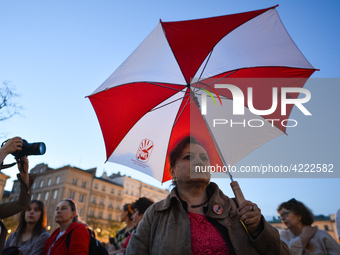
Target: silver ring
<point>252,208</point>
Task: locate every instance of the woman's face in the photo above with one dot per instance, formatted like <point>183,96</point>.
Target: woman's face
<point>289,218</point>
<point>191,166</point>
<point>123,215</point>
<point>136,217</point>
<point>32,214</point>
<point>64,213</point>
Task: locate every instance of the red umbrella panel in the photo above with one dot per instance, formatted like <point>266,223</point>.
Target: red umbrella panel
<point>155,97</point>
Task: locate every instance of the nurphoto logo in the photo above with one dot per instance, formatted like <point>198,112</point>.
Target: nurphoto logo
<point>280,97</point>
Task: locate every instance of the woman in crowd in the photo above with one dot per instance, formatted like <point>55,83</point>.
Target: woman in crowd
<point>31,233</point>
<point>122,234</point>
<point>66,216</point>
<point>139,207</point>
<point>197,218</point>
<point>300,236</point>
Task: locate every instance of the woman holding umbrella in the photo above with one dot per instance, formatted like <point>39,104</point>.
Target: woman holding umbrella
<point>198,218</point>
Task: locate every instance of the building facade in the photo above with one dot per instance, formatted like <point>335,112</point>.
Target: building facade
<point>133,189</point>
<point>3,179</point>
<point>99,199</point>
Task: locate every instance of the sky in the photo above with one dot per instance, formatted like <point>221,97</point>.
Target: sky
<point>55,53</point>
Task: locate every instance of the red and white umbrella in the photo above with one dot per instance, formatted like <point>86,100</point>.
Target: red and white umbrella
<point>154,97</point>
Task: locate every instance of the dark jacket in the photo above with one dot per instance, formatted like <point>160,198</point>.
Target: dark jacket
<point>165,229</point>
<point>11,208</point>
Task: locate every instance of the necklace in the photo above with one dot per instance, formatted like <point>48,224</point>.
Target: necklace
<point>199,205</point>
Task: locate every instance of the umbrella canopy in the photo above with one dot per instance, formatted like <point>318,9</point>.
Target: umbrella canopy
<point>156,96</point>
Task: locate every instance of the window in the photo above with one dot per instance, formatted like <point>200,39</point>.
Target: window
<point>72,194</point>
<point>119,193</point>
<point>38,196</point>
<point>46,195</point>
<point>83,184</point>
<point>109,217</point>
<point>96,185</point>
<point>49,182</point>
<point>55,194</point>
<point>112,191</point>
<point>42,184</point>
<point>94,200</point>
<point>74,181</point>
<point>100,215</point>
<point>103,188</point>
<point>34,185</point>
<point>118,206</point>
<point>81,197</point>
<point>58,180</point>
<point>102,201</point>
<point>326,228</point>
<point>111,204</point>
<point>92,213</point>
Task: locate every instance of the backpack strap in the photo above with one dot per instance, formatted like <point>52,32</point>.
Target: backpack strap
<point>68,239</point>
<point>92,233</point>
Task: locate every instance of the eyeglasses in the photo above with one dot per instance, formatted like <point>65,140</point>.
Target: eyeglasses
<point>284,215</point>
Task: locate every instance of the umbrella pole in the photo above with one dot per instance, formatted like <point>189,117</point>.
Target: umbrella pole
<point>235,187</point>
<point>237,192</point>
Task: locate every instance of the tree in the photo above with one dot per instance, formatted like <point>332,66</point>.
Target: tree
<point>8,108</point>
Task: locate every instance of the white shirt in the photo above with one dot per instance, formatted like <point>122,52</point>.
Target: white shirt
<point>321,243</point>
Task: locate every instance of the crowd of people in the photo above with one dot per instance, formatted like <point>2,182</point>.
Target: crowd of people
<point>195,218</point>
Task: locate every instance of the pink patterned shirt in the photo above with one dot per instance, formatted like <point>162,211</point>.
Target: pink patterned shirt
<point>205,238</point>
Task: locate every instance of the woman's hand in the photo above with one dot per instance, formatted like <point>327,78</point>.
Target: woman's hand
<point>12,145</point>
<point>307,233</point>
<point>23,169</point>
<point>251,216</point>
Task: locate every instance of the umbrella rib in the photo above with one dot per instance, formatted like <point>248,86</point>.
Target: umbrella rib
<point>167,104</point>
<point>179,115</point>
<point>163,86</point>
<point>205,65</point>
<point>207,85</point>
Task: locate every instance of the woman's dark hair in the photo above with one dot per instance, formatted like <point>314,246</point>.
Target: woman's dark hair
<point>142,204</point>
<point>177,151</point>
<point>297,207</point>
<point>73,208</point>
<point>39,227</point>
<point>127,208</point>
